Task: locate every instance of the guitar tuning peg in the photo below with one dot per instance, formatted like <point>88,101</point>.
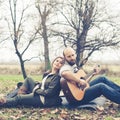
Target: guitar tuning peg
<point>98,65</point>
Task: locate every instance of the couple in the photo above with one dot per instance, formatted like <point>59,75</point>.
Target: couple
<point>46,94</point>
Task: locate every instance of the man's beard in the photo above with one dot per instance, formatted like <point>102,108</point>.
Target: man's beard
<point>71,62</point>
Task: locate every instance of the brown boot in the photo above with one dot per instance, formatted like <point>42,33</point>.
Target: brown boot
<point>22,90</point>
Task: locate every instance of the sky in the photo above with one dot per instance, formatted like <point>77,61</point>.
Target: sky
<point>8,54</point>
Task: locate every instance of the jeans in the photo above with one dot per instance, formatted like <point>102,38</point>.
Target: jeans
<point>101,86</point>
<point>29,84</point>
<point>24,100</point>
<point>28,99</point>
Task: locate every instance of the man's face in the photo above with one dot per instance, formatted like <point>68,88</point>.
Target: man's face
<point>70,56</point>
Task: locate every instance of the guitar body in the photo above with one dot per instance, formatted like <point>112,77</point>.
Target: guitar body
<point>71,90</point>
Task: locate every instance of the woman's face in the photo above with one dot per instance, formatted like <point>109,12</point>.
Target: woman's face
<point>57,64</point>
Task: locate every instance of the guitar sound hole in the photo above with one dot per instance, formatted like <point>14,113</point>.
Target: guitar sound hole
<point>82,78</point>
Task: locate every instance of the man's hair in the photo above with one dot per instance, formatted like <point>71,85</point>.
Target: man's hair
<point>65,49</point>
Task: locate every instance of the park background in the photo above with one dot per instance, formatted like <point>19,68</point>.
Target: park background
<point>15,36</point>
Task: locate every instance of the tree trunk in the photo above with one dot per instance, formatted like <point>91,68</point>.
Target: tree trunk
<point>21,64</point>
<point>80,46</point>
<point>45,38</point>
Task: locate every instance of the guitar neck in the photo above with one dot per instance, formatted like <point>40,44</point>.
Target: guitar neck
<point>89,76</point>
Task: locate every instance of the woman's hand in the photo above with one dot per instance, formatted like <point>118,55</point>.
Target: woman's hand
<point>36,87</point>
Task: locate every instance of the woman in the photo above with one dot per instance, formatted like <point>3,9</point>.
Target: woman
<point>45,94</point>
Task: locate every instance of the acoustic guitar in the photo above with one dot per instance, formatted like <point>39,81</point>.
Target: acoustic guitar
<point>73,91</point>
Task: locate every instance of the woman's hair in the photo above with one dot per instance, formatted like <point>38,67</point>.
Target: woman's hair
<point>48,71</point>
<point>57,58</point>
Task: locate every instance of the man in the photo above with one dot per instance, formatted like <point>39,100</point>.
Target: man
<point>98,87</point>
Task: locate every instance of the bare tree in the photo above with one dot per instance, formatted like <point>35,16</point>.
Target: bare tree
<point>18,32</point>
<point>45,9</point>
<point>82,17</point>
<point>2,39</point>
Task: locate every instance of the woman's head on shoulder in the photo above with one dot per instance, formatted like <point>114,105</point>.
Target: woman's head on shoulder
<point>58,62</point>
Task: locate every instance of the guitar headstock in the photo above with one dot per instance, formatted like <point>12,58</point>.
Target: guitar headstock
<point>98,70</point>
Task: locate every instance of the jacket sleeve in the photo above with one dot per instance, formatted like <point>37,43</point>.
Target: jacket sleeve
<point>52,89</point>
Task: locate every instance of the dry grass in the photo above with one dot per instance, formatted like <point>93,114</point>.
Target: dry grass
<point>35,69</point>
<point>110,69</point>
<point>15,69</point>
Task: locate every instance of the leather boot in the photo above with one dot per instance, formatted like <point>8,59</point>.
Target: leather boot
<point>22,90</point>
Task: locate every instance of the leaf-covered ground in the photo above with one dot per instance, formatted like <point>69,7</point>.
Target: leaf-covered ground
<point>60,113</point>
<point>110,111</point>
<point>8,82</point>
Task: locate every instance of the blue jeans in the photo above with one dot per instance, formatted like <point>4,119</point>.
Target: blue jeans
<point>24,100</point>
<point>102,86</point>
